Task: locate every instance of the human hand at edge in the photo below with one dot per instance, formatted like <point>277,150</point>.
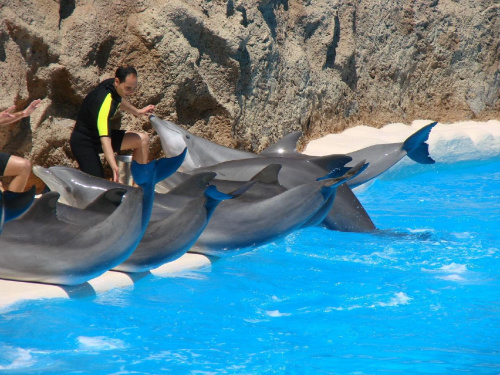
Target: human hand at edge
<point>33,105</point>
<point>147,110</point>
<point>115,174</point>
<point>7,113</point>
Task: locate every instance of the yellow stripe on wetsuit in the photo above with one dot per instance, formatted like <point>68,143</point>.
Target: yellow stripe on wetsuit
<point>102,118</point>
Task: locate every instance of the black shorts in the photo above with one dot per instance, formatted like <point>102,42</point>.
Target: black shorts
<point>86,150</point>
<point>4,159</point>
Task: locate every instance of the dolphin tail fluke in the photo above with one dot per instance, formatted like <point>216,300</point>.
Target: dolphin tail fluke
<point>213,197</point>
<point>415,145</point>
<point>17,204</point>
<point>156,170</point>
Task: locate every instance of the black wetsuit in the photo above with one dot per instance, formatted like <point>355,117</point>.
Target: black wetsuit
<point>4,159</point>
<point>92,123</point>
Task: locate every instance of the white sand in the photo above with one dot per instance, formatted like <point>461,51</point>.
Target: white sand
<point>448,143</point>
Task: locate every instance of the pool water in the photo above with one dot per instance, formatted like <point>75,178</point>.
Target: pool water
<point>421,296</point>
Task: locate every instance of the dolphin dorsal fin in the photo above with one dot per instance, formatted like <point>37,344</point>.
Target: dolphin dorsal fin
<point>44,208</point>
<point>268,175</point>
<point>107,202</point>
<point>415,145</point>
<point>17,204</point>
<point>286,145</point>
<point>331,162</point>
<point>194,185</point>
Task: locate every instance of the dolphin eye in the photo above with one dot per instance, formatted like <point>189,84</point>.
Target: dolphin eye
<point>188,137</point>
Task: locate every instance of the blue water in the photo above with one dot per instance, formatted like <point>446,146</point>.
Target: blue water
<point>422,296</point>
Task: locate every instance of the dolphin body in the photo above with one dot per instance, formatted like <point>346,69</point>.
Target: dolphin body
<point>204,153</point>
<point>177,218</point>
<point>41,247</point>
<point>347,212</point>
<point>248,221</point>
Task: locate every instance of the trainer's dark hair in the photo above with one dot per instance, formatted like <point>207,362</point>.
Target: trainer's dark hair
<point>123,71</point>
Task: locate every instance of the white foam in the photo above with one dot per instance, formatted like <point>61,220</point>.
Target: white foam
<point>18,358</point>
<point>454,268</point>
<point>399,298</point>
<point>276,314</point>
<point>100,343</point>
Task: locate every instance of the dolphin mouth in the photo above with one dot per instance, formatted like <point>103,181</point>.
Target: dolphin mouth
<point>53,182</point>
<point>47,177</point>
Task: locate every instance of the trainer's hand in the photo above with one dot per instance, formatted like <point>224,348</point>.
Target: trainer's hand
<point>7,113</point>
<point>147,110</point>
<point>33,105</point>
<point>115,174</point>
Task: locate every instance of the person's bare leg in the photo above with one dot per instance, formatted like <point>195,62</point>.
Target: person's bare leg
<point>19,168</point>
<point>139,142</point>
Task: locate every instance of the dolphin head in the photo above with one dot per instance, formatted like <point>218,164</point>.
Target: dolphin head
<point>75,187</point>
<point>174,140</point>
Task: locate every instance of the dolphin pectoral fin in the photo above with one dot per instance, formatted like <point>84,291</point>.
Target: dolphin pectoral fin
<point>347,213</point>
<point>286,145</point>
<point>17,204</point>
<point>349,173</point>
<point>107,202</point>
<point>415,145</point>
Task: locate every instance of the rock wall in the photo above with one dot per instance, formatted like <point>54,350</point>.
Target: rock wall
<point>246,72</point>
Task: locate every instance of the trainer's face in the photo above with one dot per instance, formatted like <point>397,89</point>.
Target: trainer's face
<point>127,87</point>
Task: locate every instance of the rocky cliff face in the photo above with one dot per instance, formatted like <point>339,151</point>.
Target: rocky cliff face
<point>246,72</point>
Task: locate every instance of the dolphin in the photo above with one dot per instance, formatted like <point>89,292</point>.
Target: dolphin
<point>177,218</point>
<point>41,248</point>
<point>347,214</point>
<point>204,153</point>
<point>44,248</point>
<point>246,221</point>
<point>169,238</point>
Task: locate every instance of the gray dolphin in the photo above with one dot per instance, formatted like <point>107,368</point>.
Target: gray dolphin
<point>248,221</point>
<point>204,153</point>
<point>347,214</point>
<point>177,218</point>
<point>42,248</point>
